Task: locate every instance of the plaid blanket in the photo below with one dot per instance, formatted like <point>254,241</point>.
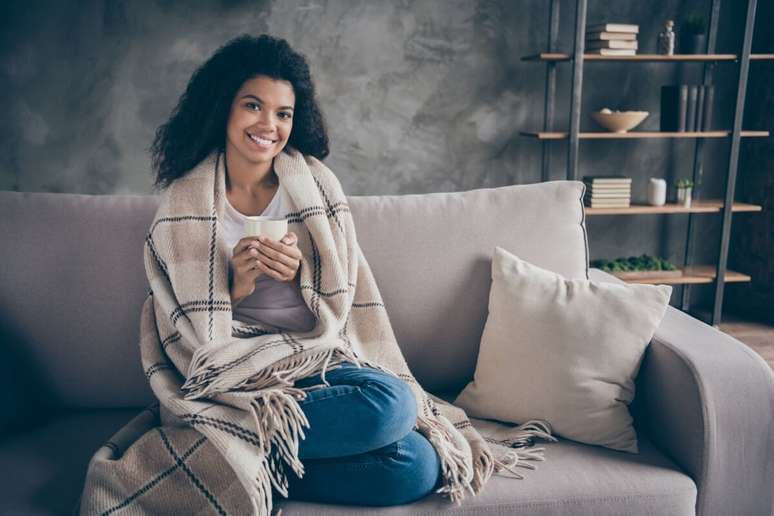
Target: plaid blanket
<point>228,413</point>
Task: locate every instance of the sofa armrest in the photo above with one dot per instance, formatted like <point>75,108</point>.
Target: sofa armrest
<point>707,401</point>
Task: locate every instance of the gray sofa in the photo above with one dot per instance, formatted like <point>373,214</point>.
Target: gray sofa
<point>72,283</point>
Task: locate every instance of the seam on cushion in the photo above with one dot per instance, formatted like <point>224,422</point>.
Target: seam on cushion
<point>705,417</point>
<point>583,227</point>
<point>548,503</point>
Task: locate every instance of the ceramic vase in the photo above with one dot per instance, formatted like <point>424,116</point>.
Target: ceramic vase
<point>656,192</point>
<point>684,197</point>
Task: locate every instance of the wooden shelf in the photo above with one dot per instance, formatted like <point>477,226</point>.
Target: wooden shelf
<point>694,275</point>
<point>696,207</point>
<point>557,56</point>
<point>608,135</point>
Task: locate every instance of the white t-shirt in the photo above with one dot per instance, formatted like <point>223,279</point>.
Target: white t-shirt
<point>273,302</point>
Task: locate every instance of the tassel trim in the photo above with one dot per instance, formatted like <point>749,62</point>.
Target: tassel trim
<point>202,382</point>
<point>457,469</point>
<point>515,459</point>
<point>279,420</point>
<point>483,465</point>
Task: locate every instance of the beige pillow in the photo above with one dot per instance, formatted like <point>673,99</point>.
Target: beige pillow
<point>566,351</point>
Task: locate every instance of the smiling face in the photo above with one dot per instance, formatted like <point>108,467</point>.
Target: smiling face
<point>260,121</point>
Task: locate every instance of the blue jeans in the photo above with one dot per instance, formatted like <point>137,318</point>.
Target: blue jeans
<point>361,448</point>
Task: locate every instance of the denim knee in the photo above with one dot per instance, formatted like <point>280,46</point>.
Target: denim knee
<point>413,471</point>
<point>395,409</point>
<point>399,473</point>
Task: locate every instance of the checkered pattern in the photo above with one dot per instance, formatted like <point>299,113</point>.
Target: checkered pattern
<point>229,418</point>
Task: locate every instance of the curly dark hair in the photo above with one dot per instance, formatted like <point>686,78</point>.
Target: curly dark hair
<point>198,123</point>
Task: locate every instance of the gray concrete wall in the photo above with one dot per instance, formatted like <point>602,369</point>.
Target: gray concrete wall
<point>752,236</point>
<point>420,96</point>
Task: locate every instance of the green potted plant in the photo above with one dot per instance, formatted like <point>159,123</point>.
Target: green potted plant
<point>693,35</point>
<point>637,267</point>
<point>684,189</point>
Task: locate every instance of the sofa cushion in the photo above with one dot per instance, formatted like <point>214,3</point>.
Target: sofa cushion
<point>44,466</point>
<point>48,464</point>
<point>73,282</point>
<point>431,257</point>
<point>71,288</point>
<point>575,480</point>
<point>563,351</point>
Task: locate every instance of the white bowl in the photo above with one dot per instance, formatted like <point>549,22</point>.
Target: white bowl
<point>619,121</point>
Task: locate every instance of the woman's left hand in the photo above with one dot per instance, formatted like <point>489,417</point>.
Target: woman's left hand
<point>279,260</point>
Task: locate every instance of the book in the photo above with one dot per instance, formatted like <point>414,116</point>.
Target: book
<point>709,97</point>
<point>607,202</point>
<point>682,107</point>
<point>669,108</point>
<point>618,190</point>
<point>673,107</point>
<point>595,43</point>
<point>609,179</point>
<point>612,193</point>
<point>610,200</point>
<point>597,193</point>
<point>596,204</point>
<point>622,188</point>
<point>619,36</point>
<point>690,114</point>
<point>699,108</point>
<point>613,27</point>
<point>605,199</point>
<point>613,51</point>
<point>609,192</point>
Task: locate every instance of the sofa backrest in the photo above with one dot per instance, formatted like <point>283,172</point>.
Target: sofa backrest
<point>72,280</point>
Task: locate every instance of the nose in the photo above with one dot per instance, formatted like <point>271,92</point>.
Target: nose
<point>265,121</point>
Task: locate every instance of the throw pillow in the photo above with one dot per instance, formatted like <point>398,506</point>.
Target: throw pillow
<point>566,351</point>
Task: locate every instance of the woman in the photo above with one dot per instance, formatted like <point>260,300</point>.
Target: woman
<point>251,101</point>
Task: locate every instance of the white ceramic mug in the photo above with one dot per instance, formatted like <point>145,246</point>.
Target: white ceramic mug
<point>656,192</point>
<point>273,227</point>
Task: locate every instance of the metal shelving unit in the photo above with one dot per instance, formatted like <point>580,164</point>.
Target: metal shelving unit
<point>717,273</point>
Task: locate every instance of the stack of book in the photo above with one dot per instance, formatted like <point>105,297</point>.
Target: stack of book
<point>607,191</point>
<point>687,107</point>
<point>612,39</point>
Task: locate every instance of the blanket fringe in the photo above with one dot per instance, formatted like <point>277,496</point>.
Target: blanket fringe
<point>279,420</point>
<point>261,496</point>
<point>515,459</point>
<point>532,428</point>
<point>203,381</point>
<point>458,473</point>
<point>279,423</point>
<point>483,464</point>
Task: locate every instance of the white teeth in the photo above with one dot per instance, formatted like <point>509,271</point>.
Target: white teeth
<point>259,140</point>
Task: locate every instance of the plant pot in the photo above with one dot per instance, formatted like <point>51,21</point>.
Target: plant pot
<point>684,197</point>
<point>693,43</point>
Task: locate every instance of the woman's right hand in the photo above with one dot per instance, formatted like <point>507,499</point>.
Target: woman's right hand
<point>245,269</point>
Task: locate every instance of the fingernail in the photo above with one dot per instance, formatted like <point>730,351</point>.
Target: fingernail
<point>262,238</point>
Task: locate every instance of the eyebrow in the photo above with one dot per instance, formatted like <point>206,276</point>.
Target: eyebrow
<point>262,102</point>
